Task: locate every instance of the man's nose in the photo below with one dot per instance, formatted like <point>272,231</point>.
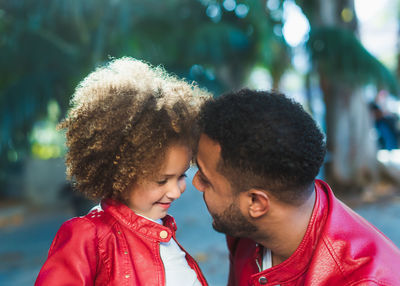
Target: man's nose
<point>196,182</point>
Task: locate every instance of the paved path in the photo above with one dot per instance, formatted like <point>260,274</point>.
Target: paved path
<point>385,216</point>
<point>23,248</point>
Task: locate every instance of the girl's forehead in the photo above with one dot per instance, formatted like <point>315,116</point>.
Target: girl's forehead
<point>176,158</point>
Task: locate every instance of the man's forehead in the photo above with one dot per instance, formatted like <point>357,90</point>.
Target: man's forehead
<point>206,142</point>
<point>208,154</point>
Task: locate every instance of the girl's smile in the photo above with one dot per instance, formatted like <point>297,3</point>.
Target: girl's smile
<point>164,205</point>
<point>152,198</point>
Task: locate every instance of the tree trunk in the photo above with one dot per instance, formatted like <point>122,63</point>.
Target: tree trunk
<point>398,45</point>
<point>351,163</point>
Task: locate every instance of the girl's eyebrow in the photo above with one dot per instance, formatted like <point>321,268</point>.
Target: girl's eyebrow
<point>172,175</point>
<point>166,175</point>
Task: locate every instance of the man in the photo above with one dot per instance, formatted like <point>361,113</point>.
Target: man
<point>258,156</point>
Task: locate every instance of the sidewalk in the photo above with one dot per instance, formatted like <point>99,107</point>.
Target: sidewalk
<point>24,241</point>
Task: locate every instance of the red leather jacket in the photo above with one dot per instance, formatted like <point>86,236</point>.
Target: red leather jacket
<point>339,248</point>
<point>110,246</point>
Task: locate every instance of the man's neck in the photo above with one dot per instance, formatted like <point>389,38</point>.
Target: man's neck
<point>285,229</point>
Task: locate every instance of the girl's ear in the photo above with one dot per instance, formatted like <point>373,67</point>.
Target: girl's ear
<point>258,203</point>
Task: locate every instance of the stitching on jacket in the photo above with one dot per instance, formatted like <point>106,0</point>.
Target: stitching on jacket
<point>377,282</point>
<point>128,267</point>
<point>337,261</point>
<point>85,218</point>
<point>158,261</point>
<point>100,234</point>
<point>332,252</point>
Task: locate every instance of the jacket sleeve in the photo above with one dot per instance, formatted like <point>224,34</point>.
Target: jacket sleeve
<point>72,258</point>
<point>231,243</point>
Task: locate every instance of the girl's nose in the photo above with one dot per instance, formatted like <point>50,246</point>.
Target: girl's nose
<point>176,190</point>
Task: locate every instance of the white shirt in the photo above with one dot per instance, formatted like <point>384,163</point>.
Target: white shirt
<point>177,270</point>
<point>267,259</point>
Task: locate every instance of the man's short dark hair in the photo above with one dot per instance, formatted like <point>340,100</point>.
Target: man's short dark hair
<point>267,141</point>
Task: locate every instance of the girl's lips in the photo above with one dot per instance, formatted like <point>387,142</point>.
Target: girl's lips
<point>164,205</point>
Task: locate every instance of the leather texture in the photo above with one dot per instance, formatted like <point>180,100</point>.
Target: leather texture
<point>339,248</point>
<point>111,245</point>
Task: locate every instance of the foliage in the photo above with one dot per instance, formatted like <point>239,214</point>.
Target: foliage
<point>47,46</point>
<point>338,54</point>
<point>274,52</point>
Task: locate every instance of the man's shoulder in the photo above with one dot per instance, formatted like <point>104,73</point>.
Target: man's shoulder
<point>356,248</point>
<point>345,228</point>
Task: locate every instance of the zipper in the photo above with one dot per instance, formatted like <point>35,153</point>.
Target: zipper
<point>163,274</point>
<point>258,265</point>
<point>258,257</point>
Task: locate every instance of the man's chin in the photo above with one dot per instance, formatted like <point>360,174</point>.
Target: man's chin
<point>216,227</point>
<point>245,231</point>
<point>222,229</point>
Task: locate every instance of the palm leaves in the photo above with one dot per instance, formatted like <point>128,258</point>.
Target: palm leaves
<point>339,55</point>
<point>47,46</point>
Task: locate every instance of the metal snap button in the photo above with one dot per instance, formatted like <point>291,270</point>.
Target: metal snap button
<point>263,280</point>
<point>163,234</point>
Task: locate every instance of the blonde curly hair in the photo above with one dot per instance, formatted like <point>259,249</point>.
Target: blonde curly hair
<point>123,118</point>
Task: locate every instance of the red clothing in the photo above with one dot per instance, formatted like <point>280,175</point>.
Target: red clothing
<point>339,248</point>
<point>110,246</point>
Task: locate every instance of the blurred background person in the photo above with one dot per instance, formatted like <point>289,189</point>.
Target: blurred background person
<point>386,126</point>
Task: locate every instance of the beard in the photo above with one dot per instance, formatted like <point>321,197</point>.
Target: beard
<point>232,222</point>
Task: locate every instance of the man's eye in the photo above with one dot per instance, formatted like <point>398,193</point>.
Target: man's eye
<point>183,176</point>
<point>203,180</point>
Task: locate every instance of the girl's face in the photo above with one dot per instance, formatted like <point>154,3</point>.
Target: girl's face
<point>152,198</point>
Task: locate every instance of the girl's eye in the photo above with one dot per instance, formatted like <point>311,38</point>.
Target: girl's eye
<point>162,182</point>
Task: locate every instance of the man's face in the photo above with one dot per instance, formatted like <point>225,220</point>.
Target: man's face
<point>220,198</point>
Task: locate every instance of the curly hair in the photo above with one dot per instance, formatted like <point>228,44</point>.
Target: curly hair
<point>267,141</point>
<point>123,118</point>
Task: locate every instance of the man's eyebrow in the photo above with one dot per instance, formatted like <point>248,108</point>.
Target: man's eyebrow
<point>197,165</point>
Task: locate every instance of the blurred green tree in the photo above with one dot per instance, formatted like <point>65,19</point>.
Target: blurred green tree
<point>47,46</point>
<point>344,67</point>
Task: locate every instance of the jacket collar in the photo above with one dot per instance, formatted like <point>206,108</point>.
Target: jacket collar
<point>139,224</point>
<point>298,262</point>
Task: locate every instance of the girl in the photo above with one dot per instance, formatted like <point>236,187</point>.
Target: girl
<point>131,134</point>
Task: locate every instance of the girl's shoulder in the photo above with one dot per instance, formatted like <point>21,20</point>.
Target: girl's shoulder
<point>78,226</point>
<point>96,223</point>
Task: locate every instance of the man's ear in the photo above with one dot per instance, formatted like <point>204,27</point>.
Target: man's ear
<point>258,203</point>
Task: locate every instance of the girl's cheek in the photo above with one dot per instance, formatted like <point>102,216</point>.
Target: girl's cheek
<point>182,185</point>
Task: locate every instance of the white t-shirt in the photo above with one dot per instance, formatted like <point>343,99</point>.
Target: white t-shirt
<point>177,270</point>
<point>267,259</point>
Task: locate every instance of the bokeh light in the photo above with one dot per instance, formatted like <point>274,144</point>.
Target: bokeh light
<point>296,26</point>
